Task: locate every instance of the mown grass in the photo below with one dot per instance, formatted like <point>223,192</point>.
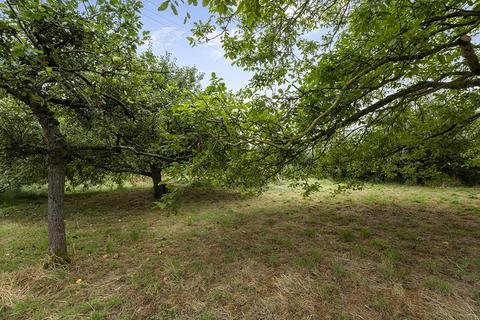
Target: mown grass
<point>385,252</point>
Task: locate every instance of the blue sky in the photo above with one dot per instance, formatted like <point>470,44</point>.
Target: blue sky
<point>169,34</point>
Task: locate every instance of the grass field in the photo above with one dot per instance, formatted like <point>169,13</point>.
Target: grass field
<point>385,252</point>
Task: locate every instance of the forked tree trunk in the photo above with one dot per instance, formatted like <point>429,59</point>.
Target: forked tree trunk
<point>159,189</point>
<point>57,244</point>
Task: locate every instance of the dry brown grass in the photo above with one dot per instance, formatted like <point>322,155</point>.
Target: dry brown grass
<point>386,252</point>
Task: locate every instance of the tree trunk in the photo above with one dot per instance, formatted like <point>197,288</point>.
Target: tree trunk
<point>57,244</point>
<point>57,166</point>
<point>159,189</point>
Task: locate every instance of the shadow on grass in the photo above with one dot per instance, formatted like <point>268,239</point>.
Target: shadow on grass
<point>32,206</point>
<point>12,198</point>
<point>202,195</point>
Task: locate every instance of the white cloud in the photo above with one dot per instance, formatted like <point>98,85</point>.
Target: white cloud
<point>214,47</point>
<point>207,57</point>
<point>165,39</point>
<point>172,38</point>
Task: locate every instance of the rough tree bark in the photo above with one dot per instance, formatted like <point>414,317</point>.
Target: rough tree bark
<point>57,245</point>
<point>468,53</point>
<point>57,164</point>
<point>159,189</point>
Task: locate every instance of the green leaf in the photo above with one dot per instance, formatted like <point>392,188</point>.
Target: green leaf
<point>174,9</point>
<point>18,50</point>
<point>164,6</point>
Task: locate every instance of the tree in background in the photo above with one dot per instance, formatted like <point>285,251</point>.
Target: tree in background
<point>23,150</point>
<point>165,123</point>
<point>20,164</point>
<point>389,149</point>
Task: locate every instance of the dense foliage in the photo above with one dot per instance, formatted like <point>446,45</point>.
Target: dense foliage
<point>393,150</point>
<point>19,166</point>
<point>345,72</point>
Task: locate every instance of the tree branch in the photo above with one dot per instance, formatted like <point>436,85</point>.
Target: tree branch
<point>468,53</point>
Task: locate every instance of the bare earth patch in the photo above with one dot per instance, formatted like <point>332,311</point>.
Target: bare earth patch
<point>386,252</point>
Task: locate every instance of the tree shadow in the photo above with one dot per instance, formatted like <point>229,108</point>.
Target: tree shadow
<point>27,207</point>
<point>201,195</point>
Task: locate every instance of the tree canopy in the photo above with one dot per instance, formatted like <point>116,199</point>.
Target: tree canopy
<point>334,67</point>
